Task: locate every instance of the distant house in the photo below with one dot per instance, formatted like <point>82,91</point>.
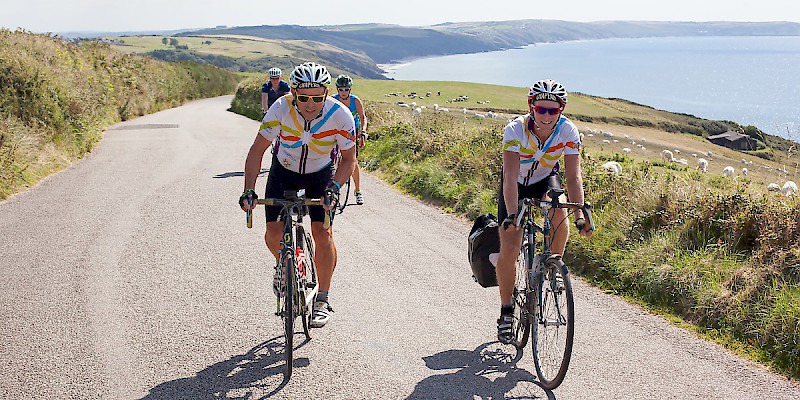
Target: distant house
<point>734,140</point>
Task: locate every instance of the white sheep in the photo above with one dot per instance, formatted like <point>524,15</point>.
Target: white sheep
<point>666,155</point>
<point>606,141</point>
<point>676,151</point>
<point>702,164</point>
<point>728,172</point>
<point>417,111</point>
<point>709,154</point>
<point>682,161</point>
<point>626,150</point>
<point>405,105</point>
<point>774,187</point>
<point>744,171</point>
<point>789,188</point>
<point>443,109</point>
<point>613,167</point>
<point>480,116</point>
<point>694,155</point>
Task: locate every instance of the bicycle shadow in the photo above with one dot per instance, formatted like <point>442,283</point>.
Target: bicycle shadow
<point>471,380</point>
<point>238,173</point>
<point>259,370</point>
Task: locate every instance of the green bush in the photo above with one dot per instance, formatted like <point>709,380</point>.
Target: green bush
<point>56,97</point>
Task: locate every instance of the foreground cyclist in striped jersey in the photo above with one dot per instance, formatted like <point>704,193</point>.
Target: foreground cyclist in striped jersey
<point>307,124</point>
<point>532,147</point>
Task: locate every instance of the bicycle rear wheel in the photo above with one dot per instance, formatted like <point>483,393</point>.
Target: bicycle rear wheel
<point>344,196</point>
<point>521,325</point>
<point>553,326</point>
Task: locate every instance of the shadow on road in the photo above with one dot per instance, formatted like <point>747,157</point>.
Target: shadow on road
<point>260,370</point>
<point>488,372</point>
<point>238,173</point>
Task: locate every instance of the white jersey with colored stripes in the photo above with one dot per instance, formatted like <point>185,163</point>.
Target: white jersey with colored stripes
<point>305,146</point>
<point>537,159</point>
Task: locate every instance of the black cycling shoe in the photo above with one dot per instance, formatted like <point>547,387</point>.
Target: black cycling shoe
<point>504,333</point>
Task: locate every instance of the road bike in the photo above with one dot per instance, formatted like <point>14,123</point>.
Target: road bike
<point>296,269</point>
<point>543,302</point>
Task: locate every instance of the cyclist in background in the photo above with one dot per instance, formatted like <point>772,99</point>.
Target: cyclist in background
<point>532,147</point>
<point>344,84</point>
<point>273,89</point>
<point>308,125</point>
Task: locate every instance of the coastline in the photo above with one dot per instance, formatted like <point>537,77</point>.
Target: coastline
<point>713,89</point>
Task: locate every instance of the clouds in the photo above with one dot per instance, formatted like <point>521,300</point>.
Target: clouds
<point>117,15</point>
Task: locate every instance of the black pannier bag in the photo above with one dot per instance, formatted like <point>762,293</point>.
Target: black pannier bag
<point>483,244</point>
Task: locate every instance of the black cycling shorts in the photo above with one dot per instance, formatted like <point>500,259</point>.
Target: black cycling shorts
<point>535,191</point>
<point>280,179</point>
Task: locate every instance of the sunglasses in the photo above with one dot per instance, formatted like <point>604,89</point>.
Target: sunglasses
<point>343,89</point>
<point>546,110</point>
<point>304,99</point>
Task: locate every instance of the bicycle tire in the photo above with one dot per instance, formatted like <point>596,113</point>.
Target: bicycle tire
<point>522,297</point>
<point>289,312</point>
<point>553,325</point>
<point>310,281</point>
<point>343,201</point>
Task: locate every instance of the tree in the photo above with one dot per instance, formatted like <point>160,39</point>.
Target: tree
<point>164,40</point>
<point>173,42</point>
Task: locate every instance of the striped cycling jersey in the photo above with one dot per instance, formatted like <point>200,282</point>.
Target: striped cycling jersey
<point>352,106</point>
<point>536,163</point>
<point>305,147</point>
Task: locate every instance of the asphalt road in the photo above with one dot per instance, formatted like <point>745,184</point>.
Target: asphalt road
<point>132,275</point>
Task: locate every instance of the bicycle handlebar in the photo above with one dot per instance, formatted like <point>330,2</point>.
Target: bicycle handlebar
<point>284,202</point>
<point>586,207</point>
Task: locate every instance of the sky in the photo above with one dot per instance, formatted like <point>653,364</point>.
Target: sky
<point>157,15</point>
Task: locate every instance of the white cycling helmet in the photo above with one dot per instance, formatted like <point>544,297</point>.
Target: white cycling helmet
<point>274,72</point>
<point>310,75</point>
<point>548,89</point>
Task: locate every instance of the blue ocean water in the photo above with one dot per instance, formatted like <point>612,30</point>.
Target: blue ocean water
<point>749,80</point>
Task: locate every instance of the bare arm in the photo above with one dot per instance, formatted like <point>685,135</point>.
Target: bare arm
<point>346,166</point>
<point>361,116</point>
<point>252,167</point>
<point>264,101</point>
<point>510,174</point>
<point>572,166</point>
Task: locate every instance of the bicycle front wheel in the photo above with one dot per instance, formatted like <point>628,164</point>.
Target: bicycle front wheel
<point>289,311</point>
<point>553,326</point>
<point>521,325</point>
<point>308,280</point>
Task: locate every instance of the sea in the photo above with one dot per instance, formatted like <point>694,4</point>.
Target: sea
<point>753,80</point>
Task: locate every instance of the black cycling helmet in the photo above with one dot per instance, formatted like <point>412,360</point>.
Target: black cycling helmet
<point>344,81</point>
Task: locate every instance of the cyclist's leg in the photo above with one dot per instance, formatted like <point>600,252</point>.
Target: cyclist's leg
<point>509,250</point>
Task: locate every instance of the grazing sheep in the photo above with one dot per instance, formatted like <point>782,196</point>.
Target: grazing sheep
<point>682,161</point>
<point>606,141</point>
<point>789,188</point>
<point>702,164</point>
<point>744,161</point>
<point>417,111</point>
<point>666,155</point>
<point>676,151</point>
<point>694,155</point>
<point>480,116</point>
<point>774,187</point>
<point>626,150</point>
<point>709,154</point>
<point>728,172</point>
<point>613,167</point>
<point>744,171</point>
<point>405,105</point>
<point>444,109</point>
<point>615,140</point>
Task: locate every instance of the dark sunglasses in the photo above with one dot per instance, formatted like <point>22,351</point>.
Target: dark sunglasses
<point>304,99</point>
<point>546,110</point>
<point>343,89</point>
